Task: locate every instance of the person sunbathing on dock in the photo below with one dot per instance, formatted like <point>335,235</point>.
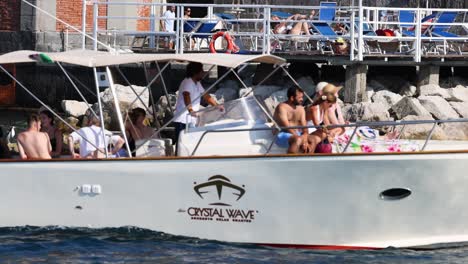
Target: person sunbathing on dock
<point>91,137</point>
<point>292,113</point>
<point>293,28</point>
<point>33,144</point>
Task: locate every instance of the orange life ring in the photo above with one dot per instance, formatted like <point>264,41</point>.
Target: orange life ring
<point>231,47</point>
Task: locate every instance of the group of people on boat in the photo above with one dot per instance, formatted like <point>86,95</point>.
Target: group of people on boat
<point>324,111</point>
<point>42,139</point>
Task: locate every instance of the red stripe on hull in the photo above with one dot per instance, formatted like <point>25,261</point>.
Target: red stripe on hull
<point>320,247</point>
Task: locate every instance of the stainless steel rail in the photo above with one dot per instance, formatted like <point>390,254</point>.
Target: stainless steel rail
<point>354,125</point>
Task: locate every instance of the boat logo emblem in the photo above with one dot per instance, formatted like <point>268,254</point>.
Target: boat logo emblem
<point>220,182</point>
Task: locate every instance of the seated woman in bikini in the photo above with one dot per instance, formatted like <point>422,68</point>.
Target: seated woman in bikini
<point>299,28</point>
<point>55,135</point>
<point>323,112</point>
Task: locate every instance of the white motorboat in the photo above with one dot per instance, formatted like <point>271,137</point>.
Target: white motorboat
<point>230,183</point>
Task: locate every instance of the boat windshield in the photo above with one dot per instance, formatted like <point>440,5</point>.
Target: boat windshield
<point>242,110</point>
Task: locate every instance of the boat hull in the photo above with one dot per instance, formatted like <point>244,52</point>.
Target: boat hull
<point>299,201</point>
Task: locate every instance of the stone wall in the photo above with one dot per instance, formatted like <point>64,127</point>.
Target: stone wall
<point>10,15</point>
<point>71,11</point>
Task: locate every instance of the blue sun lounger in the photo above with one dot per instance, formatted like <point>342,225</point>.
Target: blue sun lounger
<point>406,16</point>
<point>442,30</point>
<point>324,29</point>
<point>204,33</point>
<point>424,29</point>
<point>327,13</point>
<point>447,17</point>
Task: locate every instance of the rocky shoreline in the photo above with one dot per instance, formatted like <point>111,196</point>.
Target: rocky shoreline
<point>390,99</point>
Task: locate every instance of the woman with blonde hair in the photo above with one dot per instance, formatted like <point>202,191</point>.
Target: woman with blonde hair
<point>323,112</point>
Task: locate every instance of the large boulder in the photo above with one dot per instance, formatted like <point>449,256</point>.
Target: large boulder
<point>455,131</point>
<point>126,96</point>
<point>276,98</point>
<point>408,90</point>
<point>460,108</point>
<point>307,84</point>
<point>433,90</point>
<point>458,94</point>
<point>264,91</point>
<point>232,84</point>
<point>438,107</point>
<point>226,94</point>
<point>376,86</point>
<point>421,131</point>
<point>366,112</point>
<point>409,106</point>
<point>74,108</point>
<point>127,99</point>
<point>165,107</point>
<point>386,98</point>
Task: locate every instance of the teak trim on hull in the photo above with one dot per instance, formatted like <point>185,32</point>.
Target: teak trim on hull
<point>441,152</point>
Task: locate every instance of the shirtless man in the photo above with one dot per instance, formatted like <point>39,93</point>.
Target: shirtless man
<point>292,113</point>
<point>33,144</point>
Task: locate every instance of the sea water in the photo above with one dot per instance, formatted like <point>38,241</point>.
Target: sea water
<point>135,245</point>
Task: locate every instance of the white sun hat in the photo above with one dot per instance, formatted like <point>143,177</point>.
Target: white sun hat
<point>320,86</point>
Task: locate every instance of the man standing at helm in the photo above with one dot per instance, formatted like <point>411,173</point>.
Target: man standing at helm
<point>188,99</point>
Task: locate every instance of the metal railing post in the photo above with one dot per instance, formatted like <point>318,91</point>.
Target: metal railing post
<point>429,136</point>
<point>361,37</point>
<point>418,36</point>
<point>95,28</point>
<point>180,29</point>
<point>152,25</point>
<point>83,26</point>
<point>352,33</point>
<point>266,31</point>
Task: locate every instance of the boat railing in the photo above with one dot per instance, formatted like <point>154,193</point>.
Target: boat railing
<point>355,126</point>
<point>253,24</point>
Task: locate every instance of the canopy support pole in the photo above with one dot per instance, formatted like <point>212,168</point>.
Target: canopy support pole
<point>153,105</point>
<point>100,112</point>
<point>117,108</point>
<point>153,80</point>
<point>82,84</point>
<point>166,93</point>
<point>133,90</point>
<point>76,88</point>
<point>264,80</point>
<point>296,83</point>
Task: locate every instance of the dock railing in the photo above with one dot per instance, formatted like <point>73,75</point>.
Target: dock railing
<point>253,28</point>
